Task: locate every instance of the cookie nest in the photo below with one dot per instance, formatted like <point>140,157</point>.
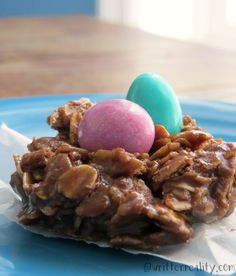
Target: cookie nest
<point>140,201</point>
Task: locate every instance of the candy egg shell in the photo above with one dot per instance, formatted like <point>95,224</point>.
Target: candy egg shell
<point>156,96</point>
<point>116,123</point>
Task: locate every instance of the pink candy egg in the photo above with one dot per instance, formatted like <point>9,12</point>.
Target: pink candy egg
<point>116,123</point>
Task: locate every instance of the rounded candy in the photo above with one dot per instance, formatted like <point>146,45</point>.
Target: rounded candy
<point>116,123</point>
<point>157,97</point>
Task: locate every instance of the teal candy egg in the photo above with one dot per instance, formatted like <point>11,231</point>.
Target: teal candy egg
<point>158,98</point>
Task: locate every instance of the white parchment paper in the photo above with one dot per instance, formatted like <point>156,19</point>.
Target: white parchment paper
<point>213,248</point>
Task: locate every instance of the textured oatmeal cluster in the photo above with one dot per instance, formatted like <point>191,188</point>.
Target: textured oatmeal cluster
<point>129,200</point>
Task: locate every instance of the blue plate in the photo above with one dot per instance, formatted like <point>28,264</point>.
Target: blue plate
<point>24,253</point>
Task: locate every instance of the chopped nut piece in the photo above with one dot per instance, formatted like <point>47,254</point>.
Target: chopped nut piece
<point>100,204</point>
<point>74,123</point>
<point>56,166</point>
<point>17,159</point>
<point>35,160</point>
<point>46,143</point>
<point>163,151</point>
<point>28,216</point>
<point>170,167</point>
<point>178,205</point>
<point>118,162</point>
<point>77,182</point>
<point>194,137</point>
<point>67,118</point>
<point>183,142</point>
<point>27,182</point>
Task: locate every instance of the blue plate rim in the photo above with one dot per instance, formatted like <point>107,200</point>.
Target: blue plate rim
<point>108,94</point>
